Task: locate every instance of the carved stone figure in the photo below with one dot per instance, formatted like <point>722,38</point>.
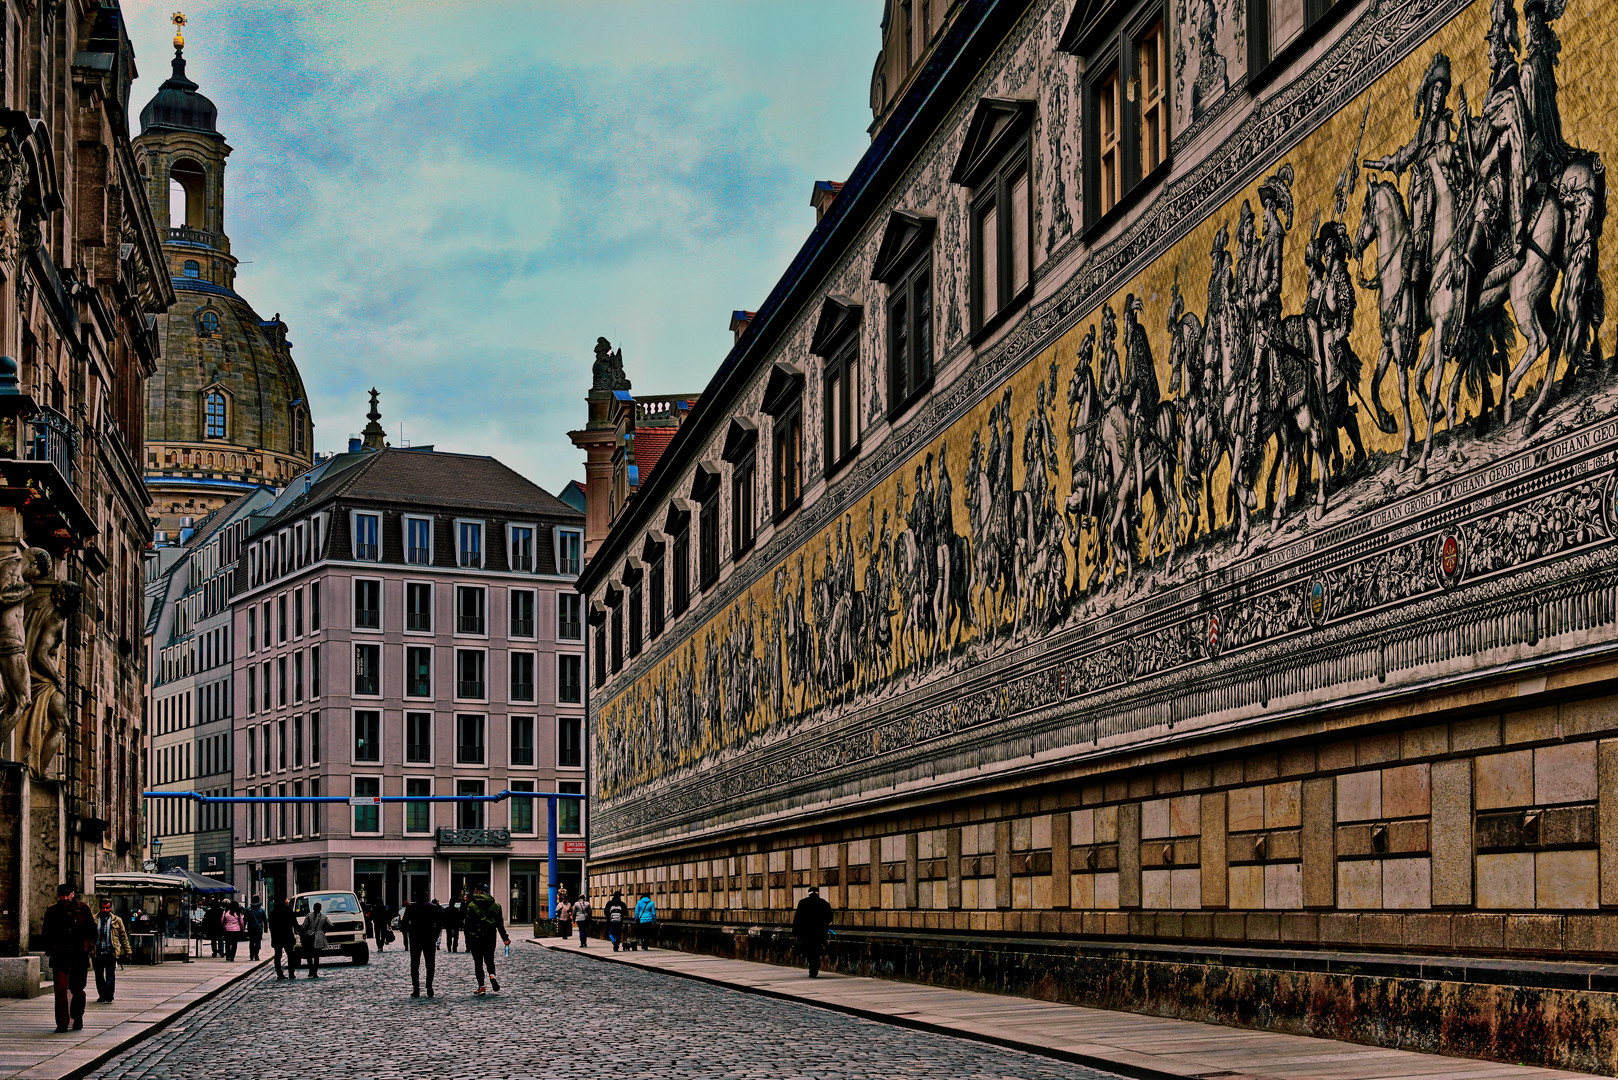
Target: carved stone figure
<point>45,623</point>
<point>14,680</point>
<point>608,371</point>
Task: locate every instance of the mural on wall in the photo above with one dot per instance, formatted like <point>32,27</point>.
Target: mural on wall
<point>1401,315</point>
<point>1210,53</point>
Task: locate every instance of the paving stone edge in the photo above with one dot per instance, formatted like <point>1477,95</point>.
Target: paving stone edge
<point>1094,1061</point>
<point>156,1026</point>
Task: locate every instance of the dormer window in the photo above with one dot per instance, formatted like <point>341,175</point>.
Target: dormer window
<point>214,414</point>
<point>365,537</point>
<point>470,547</point>
<point>521,554</point>
<point>569,552</point>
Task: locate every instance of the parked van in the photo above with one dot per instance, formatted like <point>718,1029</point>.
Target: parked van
<point>347,934</point>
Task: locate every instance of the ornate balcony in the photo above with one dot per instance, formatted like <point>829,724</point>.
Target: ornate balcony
<point>472,839</point>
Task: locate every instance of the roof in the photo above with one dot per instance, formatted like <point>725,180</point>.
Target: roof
<point>650,443</point>
<point>451,481</point>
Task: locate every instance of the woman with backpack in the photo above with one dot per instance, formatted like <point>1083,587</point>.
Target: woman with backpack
<point>581,916</point>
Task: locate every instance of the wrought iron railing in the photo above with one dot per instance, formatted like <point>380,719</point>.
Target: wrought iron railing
<point>53,438</point>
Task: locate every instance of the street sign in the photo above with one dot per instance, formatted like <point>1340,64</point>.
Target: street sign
<point>573,847</point>
<point>365,800</point>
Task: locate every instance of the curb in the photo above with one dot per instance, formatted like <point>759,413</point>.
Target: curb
<point>156,1026</point>
<point>1122,1068</point>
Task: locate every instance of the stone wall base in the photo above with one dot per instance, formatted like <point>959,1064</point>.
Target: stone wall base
<point>1563,1015</point>
<point>20,977</point>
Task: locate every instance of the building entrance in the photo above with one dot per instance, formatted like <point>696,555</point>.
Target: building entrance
<point>528,902</point>
<point>467,876</point>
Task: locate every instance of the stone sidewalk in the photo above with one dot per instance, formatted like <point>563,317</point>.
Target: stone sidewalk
<point>148,999</point>
<point>1146,1047</point>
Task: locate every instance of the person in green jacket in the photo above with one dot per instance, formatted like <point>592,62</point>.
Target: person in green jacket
<point>484,920</point>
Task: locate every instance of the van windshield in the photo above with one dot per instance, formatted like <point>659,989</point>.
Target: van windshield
<point>330,903</point>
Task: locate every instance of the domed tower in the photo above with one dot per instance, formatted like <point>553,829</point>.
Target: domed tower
<point>226,411</point>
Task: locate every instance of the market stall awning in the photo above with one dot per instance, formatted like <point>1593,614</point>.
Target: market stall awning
<point>197,883</point>
<point>140,883</point>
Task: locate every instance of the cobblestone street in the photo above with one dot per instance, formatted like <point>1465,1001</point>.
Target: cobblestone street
<point>557,1016</point>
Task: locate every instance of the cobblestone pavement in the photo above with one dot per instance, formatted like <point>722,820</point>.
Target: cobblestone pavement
<point>557,1016</point>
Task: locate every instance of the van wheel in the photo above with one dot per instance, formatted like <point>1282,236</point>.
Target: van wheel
<point>361,955</point>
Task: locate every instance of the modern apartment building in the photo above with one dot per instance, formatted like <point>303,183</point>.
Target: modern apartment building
<point>406,624</point>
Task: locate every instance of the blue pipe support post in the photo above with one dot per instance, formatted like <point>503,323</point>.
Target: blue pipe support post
<point>550,855</point>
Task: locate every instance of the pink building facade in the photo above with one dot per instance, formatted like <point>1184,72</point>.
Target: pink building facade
<point>408,626</point>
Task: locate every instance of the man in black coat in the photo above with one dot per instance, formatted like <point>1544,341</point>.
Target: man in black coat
<point>419,924</point>
<point>284,938</point>
<point>69,932</point>
<point>810,925</point>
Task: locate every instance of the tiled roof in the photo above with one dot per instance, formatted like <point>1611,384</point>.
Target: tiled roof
<point>650,443</point>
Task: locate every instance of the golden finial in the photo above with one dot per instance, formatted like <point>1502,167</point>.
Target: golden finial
<point>178,19</point>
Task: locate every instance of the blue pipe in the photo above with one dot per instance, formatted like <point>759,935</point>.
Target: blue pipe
<point>550,795</point>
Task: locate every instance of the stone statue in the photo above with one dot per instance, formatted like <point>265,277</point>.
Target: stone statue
<point>45,623</point>
<point>14,680</point>
<point>608,371</point>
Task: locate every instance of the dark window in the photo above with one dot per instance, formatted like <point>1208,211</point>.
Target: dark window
<point>522,613</point>
<point>469,602</point>
<point>252,692</point>
<point>522,548</point>
<point>314,672</point>
<point>418,672</point>
<point>569,678</point>
<point>570,742</point>
<point>522,741</point>
<point>841,405</point>
<point>314,740</point>
<point>252,630</point>
<point>522,810</point>
<point>1274,25</point>
<point>570,812</point>
<point>367,669</point>
<point>783,402</point>
<point>569,551</point>
<point>297,742</point>
<point>469,746</point>
<point>367,818</point>
<point>418,541</point>
<point>743,504</point>
<point>314,607</point>
<point>281,680</point>
<point>469,815</point>
<point>681,557</point>
<point>469,672</point>
<point>418,738</point>
<point>297,676</point>
<point>367,605</point>
<point>367,735</point>
<point>418,606</point>
<point>471,546</point>
<point>655,598</point>
<point>617,619</point>
<point>297,613</point>
<point>708,535</point>
<point>569,617</point>
<point>601,653</point>
<point>522,676</point>
<point>365,546</point>
<point>1002,236</point>
<point>636,610</point>
<point>281,617</point>
<point>418,815</point>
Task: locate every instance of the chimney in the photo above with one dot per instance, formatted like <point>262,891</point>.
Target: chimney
<point>825,191</point>
<point>739,322</point>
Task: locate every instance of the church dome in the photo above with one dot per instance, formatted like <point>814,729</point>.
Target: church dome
<point>178,105</point>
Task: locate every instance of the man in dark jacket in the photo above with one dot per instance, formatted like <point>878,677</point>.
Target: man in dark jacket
<point>69,933</point>
<point>419,924</point>
<point>617,915</point>
<point>484,920</point>
<point>284,938</point>
<point>257,920</point>
<point>454,916</point>
<point>810,925</point>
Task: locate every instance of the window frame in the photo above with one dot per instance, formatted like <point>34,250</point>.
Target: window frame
<point>904,263</point>
<point>483,615</point>
<point>1109,45</point>
<point>511,676</point>
<point>210,396</point>
<point>430,610</point>
<point>512,726</point>
<point>432,734</point>
<point>564,538</point>
<point>512,528</point>
<point>578,599</point>
<point>355,590</point>
<point>376,809</point>
<point>483,743</point>
<point>1319,16</point>
<point>561,722</point>
<point>992,191</point>
<point>459,687</point>
<point>462,525</point>
<point>360,551</point>
<point>354,757</point>
<point>410,549</point>
<point>409,672</point>
<point>381,672</point>
<point>423,807</point>
<point>564,660</point>
<point>571,787</point>
<point>526,806</point>
<point>511,614</point>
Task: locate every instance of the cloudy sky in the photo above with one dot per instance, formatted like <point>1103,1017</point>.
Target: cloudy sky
<point>452,201</point>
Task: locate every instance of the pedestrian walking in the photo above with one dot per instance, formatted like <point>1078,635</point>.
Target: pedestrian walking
<point>645,920</point>
<point>484,920</point>
<point>564,915</point>
<point>112,947</point>
<point>284,938</point>
<point>617,916</point>
<point>581,918</point>
<point>213,927</point>
<point>810,925</point>
<point>69,933</point>
<point>419,925</point>
<point>454,919</point>
<point>233,924</point>
<point>381,916</point>
<point>314,930</point>
<point>257,920</point>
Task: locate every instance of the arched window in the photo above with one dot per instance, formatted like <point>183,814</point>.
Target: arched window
<point>297,431</point>
<point>214,405</point>
<point>208,322</point>
<point>191,269</point>
<point>187,185</point>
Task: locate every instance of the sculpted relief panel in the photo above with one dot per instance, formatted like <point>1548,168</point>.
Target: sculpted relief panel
<point>1354,430</point>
